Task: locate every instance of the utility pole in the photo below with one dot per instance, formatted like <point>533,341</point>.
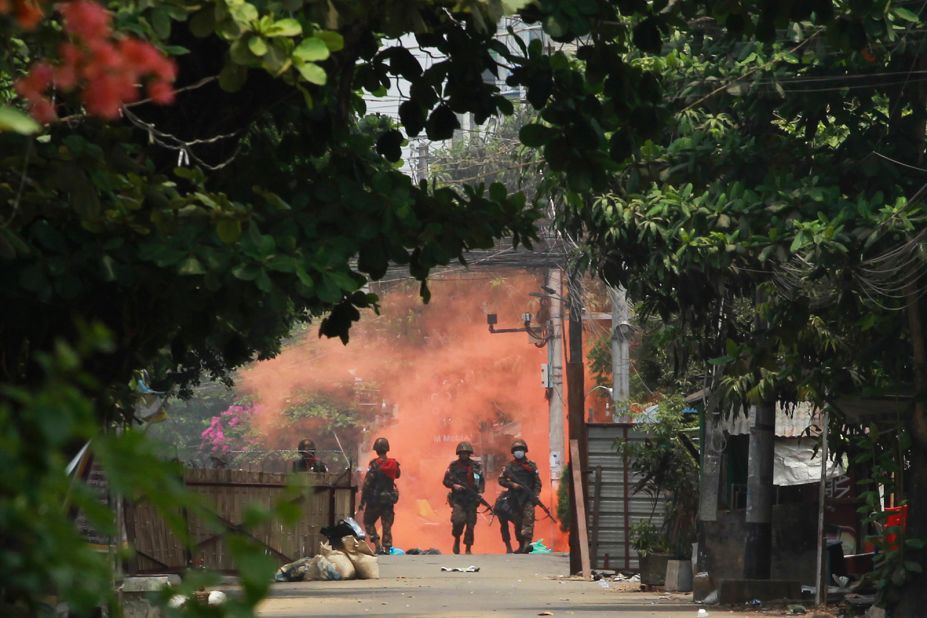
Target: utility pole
<point>555,375</point>
<point>576,394</point>
<point>621,361</point>
<point>761,458</point>
<point>422,162</point>
<point>758,542</point>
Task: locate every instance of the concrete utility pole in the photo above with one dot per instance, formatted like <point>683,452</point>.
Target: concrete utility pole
<point>621,361</point>
<point>576,393</point>
<point>758,541</point>
<point>422,162</point>
<point>555,375</point>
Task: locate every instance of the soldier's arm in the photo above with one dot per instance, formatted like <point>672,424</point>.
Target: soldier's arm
<point>481,485</point>
<point>506,481</point>
<point>536,481</point>
<point>449,478</point>
<point>398,470</point>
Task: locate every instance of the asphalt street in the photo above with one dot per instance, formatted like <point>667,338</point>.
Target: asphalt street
<point>506,585</point>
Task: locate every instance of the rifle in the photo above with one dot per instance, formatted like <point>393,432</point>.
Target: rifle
<point>537,502</point>
<point>474,494</point>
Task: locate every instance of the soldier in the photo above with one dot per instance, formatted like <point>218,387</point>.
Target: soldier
<point>307,461</point>
<point>464,477</point>
<point>523,484</point>
<point>379,494</point>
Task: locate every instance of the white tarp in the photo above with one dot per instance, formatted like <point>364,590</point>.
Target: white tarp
<point>796,463</point>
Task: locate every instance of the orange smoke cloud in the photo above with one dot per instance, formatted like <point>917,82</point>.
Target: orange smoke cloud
<point>445,378</point>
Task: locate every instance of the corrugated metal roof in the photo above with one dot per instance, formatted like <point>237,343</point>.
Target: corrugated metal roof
<point>804,419</point>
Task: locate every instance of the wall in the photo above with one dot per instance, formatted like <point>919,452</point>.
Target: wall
<point>794,529</point>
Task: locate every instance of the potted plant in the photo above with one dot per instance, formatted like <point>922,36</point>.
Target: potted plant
<point>652,551</point>
<point>667,466</point>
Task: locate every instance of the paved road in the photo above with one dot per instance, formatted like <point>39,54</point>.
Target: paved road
<point>505,586</point>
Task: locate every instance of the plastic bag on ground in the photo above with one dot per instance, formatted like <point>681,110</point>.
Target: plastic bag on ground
<point>293,572</point>
<point>363,558</point>
<point>538,547</point>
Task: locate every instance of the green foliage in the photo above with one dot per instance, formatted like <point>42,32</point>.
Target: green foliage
<point>647,539</point>
<point>667,469</point>
<point>883,456</point>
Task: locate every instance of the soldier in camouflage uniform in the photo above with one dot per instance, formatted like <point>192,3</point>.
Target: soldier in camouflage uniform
<point>307,461</point>
<point>464,477</point>
<point>379,494</point>
<point>523,484</point>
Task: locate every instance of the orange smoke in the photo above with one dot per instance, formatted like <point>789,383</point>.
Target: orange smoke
<point>441,378</point>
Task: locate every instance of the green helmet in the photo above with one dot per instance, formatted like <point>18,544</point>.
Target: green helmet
<point>519,445</point>
<point>381,444</point>
<point>306,445</point>
<point>464,447</point>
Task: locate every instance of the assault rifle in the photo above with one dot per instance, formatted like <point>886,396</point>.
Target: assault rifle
<point>473,494</point>
<point>537,502</point>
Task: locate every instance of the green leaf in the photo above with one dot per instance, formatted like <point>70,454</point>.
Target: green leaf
<point>228,230</point>
<point>906,14</point>
<point>534,135</point>
<point>333,40</point>
<point>284,27</point>
<point>161,23</point>
<point>203,23</point>
<point>191,266</point>
<point>257,45</point>
<point>389,144</point>
<point>16,121</point>
<point>313,73</point>
<point>311,49</point>
<point>232,77</point>
<point>441,123</point>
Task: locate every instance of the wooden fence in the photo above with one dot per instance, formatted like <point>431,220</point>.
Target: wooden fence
<point>324,499</point>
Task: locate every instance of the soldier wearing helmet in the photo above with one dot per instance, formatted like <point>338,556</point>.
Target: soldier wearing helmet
<point>308,462</point>
<point>464,477</point>
<point>523,484</point>
<point>379,494</point>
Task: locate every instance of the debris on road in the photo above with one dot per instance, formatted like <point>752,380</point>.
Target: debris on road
<point>795,610</point>
<point>469,569</point>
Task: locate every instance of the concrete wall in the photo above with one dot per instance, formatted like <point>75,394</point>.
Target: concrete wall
<point>794,543</point>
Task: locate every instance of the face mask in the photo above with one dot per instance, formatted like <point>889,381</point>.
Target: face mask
<point>519,454</point>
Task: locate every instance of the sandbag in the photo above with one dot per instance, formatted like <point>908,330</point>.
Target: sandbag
<point>327,569</point>
<point>363,558</point>
<point>340,560</point>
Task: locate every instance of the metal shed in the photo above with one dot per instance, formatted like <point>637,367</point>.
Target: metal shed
<point>612,507</point>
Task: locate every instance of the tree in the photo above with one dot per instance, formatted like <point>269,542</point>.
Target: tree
<point>773,219</point>
<point>197,234</point>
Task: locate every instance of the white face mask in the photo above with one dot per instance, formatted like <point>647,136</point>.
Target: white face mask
<point>519,454</point>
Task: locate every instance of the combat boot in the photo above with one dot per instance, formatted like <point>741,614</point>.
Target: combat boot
<point>467,551</point>
<point>524,547</point>
<point>508,547</point>
<point>456,544</point>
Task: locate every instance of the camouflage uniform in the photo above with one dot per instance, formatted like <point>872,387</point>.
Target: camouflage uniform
<point>378,496</point>
<point>520,504</point>
<point>464,503</point>
<point>307,461</point>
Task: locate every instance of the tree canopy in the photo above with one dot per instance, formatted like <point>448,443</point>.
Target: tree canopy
<point>703,151</point>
